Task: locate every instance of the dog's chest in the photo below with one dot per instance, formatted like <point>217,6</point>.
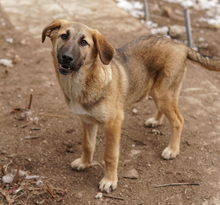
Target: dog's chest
<point>78,109</point>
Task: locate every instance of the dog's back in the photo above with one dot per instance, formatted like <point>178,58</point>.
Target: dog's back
<point>148,59</point>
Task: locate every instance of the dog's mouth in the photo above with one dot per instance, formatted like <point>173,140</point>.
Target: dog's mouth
<point>64,70</point>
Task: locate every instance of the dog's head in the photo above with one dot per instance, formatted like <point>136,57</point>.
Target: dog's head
<point>76,45</point>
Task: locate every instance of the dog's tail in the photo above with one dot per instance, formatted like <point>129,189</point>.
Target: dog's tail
<point>207,62</point>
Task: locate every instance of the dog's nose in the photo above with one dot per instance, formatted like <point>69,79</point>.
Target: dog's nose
<point>67,57</point>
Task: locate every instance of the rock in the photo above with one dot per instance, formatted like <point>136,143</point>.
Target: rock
<point>167,11</point>
<point>98,196</point>
<point>134,152</point>
<point>23,42</point>
<point>161,30</point>
<point>131,174</point>
<point>135,111</point>
<point>16,59</point>
<point>9,40</point>
<point>6,63</point>
<point>8,178</point>
<point>79,195</point>
<point>177,30</point>
<point>45,142</point>
<point>155,132</point>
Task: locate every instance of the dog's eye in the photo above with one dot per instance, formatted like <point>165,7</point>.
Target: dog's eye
<point>64,36</point>
<point>84,42</point>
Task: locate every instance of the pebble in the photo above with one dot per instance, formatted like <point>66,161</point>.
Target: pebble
<point>23,42</point>
<point>98,196</point>
<point>155,132</point>
<point>131,174</point>
<point>6,62</point>
<point>167,11</point>
<point>176,30</point>
<point>45,141</point>
<point>8,178</point>
<point>9,40</point>
<point>135,111</point>
<point>79,195</point>
<point>39,182</point>
<point>134,152</point>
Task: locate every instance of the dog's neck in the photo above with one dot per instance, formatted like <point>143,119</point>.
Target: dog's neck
<point>79,85</point>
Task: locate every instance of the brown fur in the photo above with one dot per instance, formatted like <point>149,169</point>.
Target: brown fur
<point>101,82</point>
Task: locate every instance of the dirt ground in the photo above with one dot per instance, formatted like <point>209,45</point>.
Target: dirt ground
<point>47,148</point>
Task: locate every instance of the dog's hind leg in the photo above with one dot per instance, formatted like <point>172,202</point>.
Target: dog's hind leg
<point>156,120</point>
<point>88,145</point>
<point>168,105</point>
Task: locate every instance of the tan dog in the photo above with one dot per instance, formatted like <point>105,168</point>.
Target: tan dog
<point>99,82</point>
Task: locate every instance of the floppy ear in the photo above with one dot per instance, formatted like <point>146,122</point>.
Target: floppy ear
<point>56,24</point>
<point>105,49</point>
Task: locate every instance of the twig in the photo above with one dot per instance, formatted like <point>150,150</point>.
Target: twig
<point>22,179</point>
<point>26,124</point>
<point>112,197</point>
<point>30,102</point>
<point>50,191</point>
<point>19,196</point>
<point>35,129</point>
<point>28,197</point>
<point>48,202</point>
<point>18,109</point>
<point>50,115</point>
<point>3,171</point>
<point>7,197</point>
<point>16,175</point>
<point>175,184</point>
<point>6,166</point>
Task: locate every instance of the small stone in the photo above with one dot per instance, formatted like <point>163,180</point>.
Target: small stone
<point>98,196</point>
<point>135,111</point>
<point>27,137</point>
<point>134,152</point>
<point>23,42</point>
<point>167,11</point>
<point>39,182</point>
<point>45,141</point>
<point>79,195</point>
<point>156,132</point>
<point>131,174</point>
<point>176,30</point>
<point>9,40</point>
<point>40,202</point>
<point>8,178</point>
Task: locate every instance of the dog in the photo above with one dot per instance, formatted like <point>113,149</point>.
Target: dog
<point>99,82</point>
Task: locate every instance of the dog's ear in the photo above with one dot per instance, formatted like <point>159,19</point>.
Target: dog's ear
<point>104,48</point>
<point>56,24</point>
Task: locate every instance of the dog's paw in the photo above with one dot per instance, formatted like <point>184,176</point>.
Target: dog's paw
<point>78,165</point>
<point>106,185</point>
<point>169,153</point>
<point>151,122</point>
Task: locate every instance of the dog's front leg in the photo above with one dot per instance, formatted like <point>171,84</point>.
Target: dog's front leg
<point>88,145</point>
<point>111,155</point>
